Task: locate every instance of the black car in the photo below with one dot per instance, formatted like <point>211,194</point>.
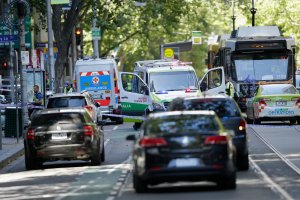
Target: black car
<point>230,115</point>
<point>183,146</point>
<point>63,134</point>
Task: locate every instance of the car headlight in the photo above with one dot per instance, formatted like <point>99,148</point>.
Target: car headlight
<point>158,106</point>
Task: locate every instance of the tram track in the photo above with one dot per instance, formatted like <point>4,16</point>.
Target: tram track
<point>268,173</point>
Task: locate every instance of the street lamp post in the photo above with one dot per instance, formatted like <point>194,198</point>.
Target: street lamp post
<point>253,11</point>
<point>95,41</point>
<point>233,16</point>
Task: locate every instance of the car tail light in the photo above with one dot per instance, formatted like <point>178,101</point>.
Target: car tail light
<point>218,139</point>
<point>155,168</point>
<point>107,98</point>
<point>30,134</point>
<point>242,125</point>
<point>263,101</point>
<point>153,142</point>
<point>297,100</point>
<point>244,99</point>
<point>88,130</point>
<point>187,90</point>
<point>89,108</point>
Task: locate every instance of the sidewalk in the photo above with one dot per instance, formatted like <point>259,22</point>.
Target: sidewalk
<point>11,150</point>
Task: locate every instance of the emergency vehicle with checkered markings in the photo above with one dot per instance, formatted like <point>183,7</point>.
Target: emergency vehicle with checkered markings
<point>99,77</point>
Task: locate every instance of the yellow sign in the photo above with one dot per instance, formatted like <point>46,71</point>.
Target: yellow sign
<point>169,53</point>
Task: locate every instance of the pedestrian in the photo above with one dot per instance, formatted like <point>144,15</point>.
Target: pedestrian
<point>37,97</point>
<point>229,88</point>
<point>68,88</point>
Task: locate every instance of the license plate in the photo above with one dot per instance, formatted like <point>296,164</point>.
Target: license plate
<point>59,136</point>
<point>187,162</point>
<point>281,103</point>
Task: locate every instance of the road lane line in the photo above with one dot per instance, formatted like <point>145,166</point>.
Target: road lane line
<point>71,192</point>
<point>274,186</point>
<point>115,128</point>
<point>282,157</point>
<point>110,198</point>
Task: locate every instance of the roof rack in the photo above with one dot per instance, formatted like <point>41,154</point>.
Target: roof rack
<point>161,63</point>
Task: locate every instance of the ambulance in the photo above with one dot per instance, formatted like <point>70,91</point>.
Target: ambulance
<point>99,77</point>
<point>155,83</point>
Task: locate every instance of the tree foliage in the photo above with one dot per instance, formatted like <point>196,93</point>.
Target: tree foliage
<point>138,32</point>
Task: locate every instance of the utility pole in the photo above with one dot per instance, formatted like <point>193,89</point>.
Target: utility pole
<point>253,11</point>
<point>50,46</point>
<point>95,41</point>
<point>22,75</point>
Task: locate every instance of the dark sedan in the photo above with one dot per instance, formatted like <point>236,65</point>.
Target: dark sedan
<point>63,134</point>
<point>230,116</point>
<point>183,146</point>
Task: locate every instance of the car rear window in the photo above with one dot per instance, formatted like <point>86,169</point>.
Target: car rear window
<point>181,124</point>
<point>279,89</point>
<point>222,107</point>
<point>53,118</point>
<point>66,102</point>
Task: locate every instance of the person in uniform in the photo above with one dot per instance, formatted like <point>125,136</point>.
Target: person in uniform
<point>68,88</point>
<point>229,88</point>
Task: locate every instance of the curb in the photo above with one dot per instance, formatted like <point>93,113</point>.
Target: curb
<point>11,158</point>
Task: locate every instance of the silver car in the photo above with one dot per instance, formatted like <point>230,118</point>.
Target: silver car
<point>83,99</point>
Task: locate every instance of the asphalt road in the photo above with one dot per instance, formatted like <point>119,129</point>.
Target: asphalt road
<point>274,172</point>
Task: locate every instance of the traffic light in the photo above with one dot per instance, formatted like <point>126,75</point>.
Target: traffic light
<point>4,57</point>
<point>21,9</point>
<point>78,34</point>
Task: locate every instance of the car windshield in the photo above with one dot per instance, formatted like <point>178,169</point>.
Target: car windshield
<point>222,107</point>
<point>51,119</point>
<point>261,67</point>
<point>66,102</point>
<point>182,124</point>
<point>279,89</point>
<point>172,81</point>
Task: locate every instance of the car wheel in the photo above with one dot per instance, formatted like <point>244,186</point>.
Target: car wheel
<point>103,154</point>
<point>256,121</point>
<point>249,121</point>
<point>243,162</point>
<point>32,164</point>
<point>293,121</point>
<point>96,157</point>
<point>137,125</point>
<point>228,182</point>
<point>298,120</point>
<point>119,120</point>
<point>139,185</point>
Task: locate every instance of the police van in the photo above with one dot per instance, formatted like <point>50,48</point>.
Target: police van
<point>99,77</point>
<point>155,83</point>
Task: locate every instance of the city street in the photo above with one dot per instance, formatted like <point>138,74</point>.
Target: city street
<point>274,172</point>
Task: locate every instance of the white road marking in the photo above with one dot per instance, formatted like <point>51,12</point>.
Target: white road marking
<point>110,198</point>
<point>71,192</point>
<point>115,128</point>
<point>106,141</point>
<point>124,164</point>
<point>274,186</point>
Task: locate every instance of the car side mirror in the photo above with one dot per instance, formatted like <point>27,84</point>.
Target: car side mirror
<point>131,138</point>
<point>145,89</point>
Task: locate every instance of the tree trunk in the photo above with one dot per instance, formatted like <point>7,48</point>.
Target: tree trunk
<point>63,30</point>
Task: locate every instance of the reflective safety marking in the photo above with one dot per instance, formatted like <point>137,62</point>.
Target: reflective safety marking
<point>94,73</point>
<point>125,116</point>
